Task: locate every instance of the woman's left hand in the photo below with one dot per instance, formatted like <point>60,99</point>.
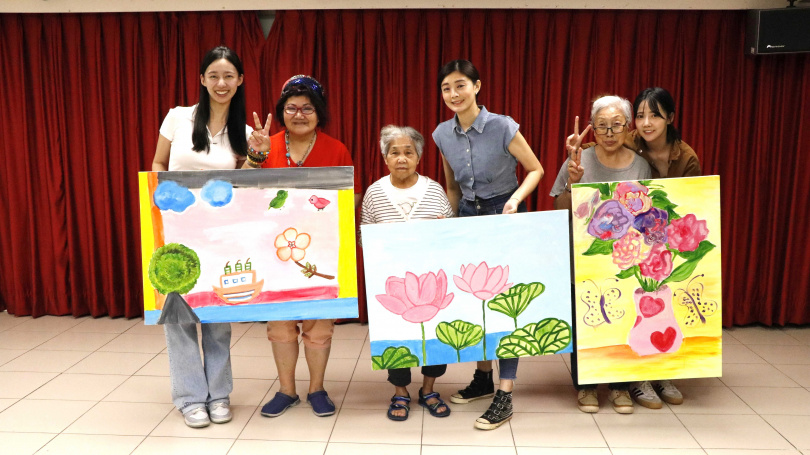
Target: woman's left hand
<point>259,139</point>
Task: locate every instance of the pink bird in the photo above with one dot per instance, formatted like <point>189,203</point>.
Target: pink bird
<point>318,202</point>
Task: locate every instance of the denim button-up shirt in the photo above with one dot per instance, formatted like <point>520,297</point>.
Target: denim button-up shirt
<point>480,157</point>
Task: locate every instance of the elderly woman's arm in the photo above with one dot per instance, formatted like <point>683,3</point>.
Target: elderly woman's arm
<point>453,189</point>
<point>521,150</point>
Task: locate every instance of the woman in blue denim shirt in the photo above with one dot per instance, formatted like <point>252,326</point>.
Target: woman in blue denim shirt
<point>480,151</point>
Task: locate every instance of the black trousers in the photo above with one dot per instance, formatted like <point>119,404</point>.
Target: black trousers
<point>401,377</point>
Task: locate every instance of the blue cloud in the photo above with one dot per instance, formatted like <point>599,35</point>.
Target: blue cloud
<point>171,196</point>
<point>217,193</point>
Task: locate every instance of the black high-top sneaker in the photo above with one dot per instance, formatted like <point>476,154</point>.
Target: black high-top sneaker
<point>480,387</point>
<point>499,412</point>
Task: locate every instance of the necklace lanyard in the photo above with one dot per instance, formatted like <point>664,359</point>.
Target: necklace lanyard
<point>309,149</point>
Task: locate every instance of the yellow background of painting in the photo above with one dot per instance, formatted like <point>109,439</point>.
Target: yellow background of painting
<point>697,195</point>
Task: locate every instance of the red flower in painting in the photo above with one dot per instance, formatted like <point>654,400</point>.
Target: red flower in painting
<point>685,234</point>
<point>658,264</point>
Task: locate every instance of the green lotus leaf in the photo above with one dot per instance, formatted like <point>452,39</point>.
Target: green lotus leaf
<point>459,334</point>
<point>552,335</point>
<point>174,268</point>
<point>548,336</point>
<point>392,357</point>
<point>515,300</point>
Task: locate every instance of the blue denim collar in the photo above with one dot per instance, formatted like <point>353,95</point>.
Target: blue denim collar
<point>478,124</point>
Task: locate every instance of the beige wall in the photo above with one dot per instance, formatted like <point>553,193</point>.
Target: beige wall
<point>63,6</point>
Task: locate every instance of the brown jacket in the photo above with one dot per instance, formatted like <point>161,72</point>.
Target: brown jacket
<point>683,161</point>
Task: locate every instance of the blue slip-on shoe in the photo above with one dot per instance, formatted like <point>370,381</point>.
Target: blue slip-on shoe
<point>322,405</point>
<point>280,403</point>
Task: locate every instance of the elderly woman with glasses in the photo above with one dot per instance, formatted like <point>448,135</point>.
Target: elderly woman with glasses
<point>301,108</point>
<point>610,160</point>
<point>402,196</point>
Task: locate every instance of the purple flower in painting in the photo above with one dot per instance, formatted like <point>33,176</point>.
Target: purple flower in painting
<point>610,221</point>
<point>653,225</point>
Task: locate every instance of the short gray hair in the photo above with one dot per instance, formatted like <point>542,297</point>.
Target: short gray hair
<point>613,101</point>
<point>391,132</point>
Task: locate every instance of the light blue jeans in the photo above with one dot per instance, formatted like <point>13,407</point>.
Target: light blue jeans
<point>199,382</point>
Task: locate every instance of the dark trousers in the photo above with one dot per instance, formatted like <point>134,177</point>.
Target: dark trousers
<point>574,361</point>
<point>401,377</point>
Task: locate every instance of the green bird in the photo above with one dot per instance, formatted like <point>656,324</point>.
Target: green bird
<point>279,200</point>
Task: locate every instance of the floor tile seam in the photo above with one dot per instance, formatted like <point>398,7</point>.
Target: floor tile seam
<point>747,404</point>
<point>678,416</point>
<point>154,356</point>
<point>779,432</point>
<point>15,357</point>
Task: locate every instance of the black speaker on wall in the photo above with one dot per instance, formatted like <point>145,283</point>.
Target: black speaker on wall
<point>778,31</point>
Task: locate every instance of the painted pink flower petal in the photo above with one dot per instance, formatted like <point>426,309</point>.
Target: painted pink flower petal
<point>280,241</point>
<point>446,301</point>
<point>395,287</point>
<point>420,313</point>
<point>412,288</point>
<point>479,277</point>
<point>298,254</point>
<point>427,290</point>
<point>290,234</point>
<point>461,284</point>
<point>284,253</point>
<point>392,304</point>
<point>302,240</point>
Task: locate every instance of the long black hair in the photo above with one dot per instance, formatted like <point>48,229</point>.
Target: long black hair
<point>236,112</point>
<point>464,67</point>
<point>659,99</point>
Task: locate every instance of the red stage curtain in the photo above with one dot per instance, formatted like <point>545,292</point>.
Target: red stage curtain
<point>744,116</point>
<point>88,93</point>
<point>84,98</point>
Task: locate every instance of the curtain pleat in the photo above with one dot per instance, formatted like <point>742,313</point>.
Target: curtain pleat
<point>91,90</point>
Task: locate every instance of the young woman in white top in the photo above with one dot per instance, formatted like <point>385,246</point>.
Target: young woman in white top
<point>209,135</point>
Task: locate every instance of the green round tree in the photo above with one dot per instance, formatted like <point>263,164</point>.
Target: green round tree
<point>174,268</point>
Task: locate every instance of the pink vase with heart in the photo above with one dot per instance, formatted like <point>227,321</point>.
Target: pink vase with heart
<point>656,331</point>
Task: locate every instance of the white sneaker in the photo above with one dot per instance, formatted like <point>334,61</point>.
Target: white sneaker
<point>644,395</point>
<point>622,403</point>
<point>220,412</point>
<point>668,392</point>
<point>197,418</point>
<point>588,401</point>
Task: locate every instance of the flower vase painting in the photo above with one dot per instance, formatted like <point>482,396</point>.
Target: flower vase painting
<point>248,245</point>
<point>647,279</point>
<point>467,289</point>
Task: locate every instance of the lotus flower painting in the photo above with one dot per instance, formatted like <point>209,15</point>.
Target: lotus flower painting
<point>647,279</point>
<point>248,245</point>
<point>464,289</point>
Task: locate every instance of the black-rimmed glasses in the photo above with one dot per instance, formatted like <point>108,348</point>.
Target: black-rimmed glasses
<point>615,129</point>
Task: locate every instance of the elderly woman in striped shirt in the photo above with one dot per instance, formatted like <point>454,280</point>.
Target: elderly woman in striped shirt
<point>401,196</point>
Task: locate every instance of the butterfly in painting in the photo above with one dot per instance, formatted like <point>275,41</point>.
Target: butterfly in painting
<point>601,305</point>
<point>692,298</point>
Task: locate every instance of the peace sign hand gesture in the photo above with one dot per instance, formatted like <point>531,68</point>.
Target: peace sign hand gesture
<point>573,145</point>
<point>259,139</point>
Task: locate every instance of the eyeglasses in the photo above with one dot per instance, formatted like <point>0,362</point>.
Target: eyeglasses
<point>615,129</point>
<point>292,110</point>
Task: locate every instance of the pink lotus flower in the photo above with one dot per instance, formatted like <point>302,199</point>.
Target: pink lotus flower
<point>658,264</point>
<point>685,234</point>
<point>482,281</point>
<point>416,299</point>
<point>630,250</point>
<point>633,197</point>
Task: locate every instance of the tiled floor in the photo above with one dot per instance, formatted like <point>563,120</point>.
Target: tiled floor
<point>101,386</point>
